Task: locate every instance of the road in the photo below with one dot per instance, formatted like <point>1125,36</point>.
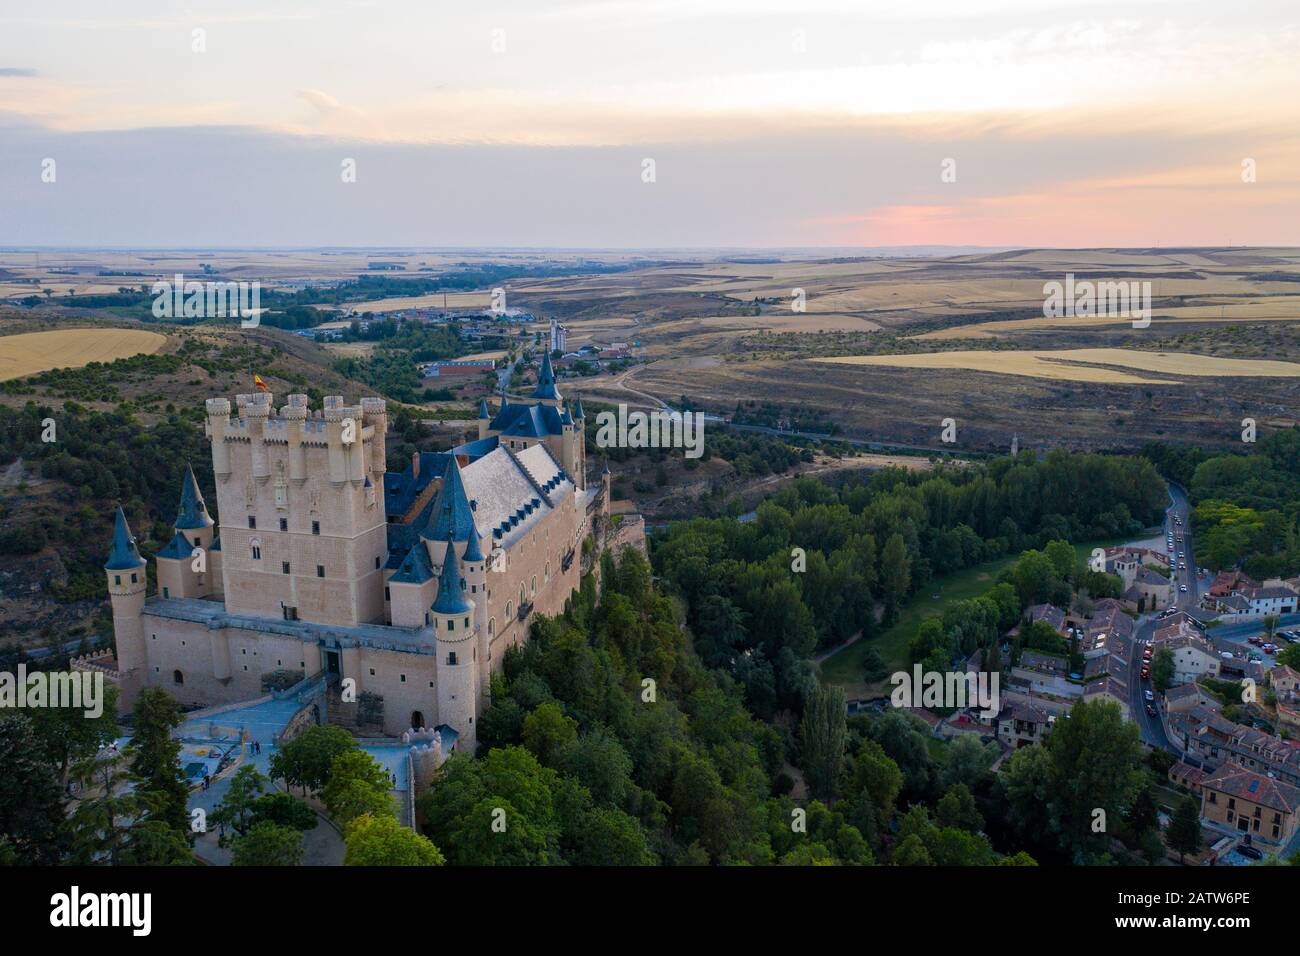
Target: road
<point>1178,522</point>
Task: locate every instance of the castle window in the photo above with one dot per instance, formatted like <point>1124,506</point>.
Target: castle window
<point>178,677</point>
<point>403,678</point>
<point>372,672</point>
<point>376,562</point>
<point>492,626</point>
<point>451,624</point>
<point>284,524</point>
<point>510,607</point>
<point>284,567</point>
<point>315,527</point>
<point>387,595</point>
<point>451,658</point>
<point>320,570</point>
<point>252,521</point>
<point>534,587</point>
<point>166,594</point>
<point>117,579</point>
<point>426,618</point>
<point>133,578</point>
<point>467,624</point>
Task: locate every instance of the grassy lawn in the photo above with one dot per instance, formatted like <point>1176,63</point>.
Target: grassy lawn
<point>845,667</point>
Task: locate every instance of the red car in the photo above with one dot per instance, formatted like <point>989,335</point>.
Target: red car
<point>1256,640</point>
<point>1146,673</point>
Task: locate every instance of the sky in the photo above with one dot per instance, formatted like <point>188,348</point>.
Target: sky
<point>649,123</point>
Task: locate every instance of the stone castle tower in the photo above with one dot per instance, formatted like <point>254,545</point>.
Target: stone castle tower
<point>125,570</point>
<point>546,419</point>
<point>321,562</point>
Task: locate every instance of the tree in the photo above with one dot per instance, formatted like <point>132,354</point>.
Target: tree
<point>305,761</point>
<point>382,841</point>
<point>609,837</point>
<point>236,808</point>
<point>895,573</point>
<point>155,757</point>
<point>68,735</point>
<point>1095,762</point>
<point>31,799</point>
<point>1162,669</point>
<point>1184,833</point>
<point>956,808</point>
<point>284,809</point>
<point>268,844</point>
<point>547,731</point>
<point>822,737</point>
<point>358,784</point>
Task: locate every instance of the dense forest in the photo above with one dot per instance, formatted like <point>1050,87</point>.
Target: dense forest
<point>859,551</point>
<point>1246,506</point>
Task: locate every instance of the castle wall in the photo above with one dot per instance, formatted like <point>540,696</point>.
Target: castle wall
<point>408,682</point>
<point>218,666</point>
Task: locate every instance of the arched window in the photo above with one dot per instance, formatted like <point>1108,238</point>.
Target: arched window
<point>492,626</point>
<point>178,677</point>
<point>510,609</point>
<point>255,548</point>
<point>523,596</point>
<point>548,571</point>
<point>534,590</point>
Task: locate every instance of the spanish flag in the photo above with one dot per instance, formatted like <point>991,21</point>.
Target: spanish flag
<point>258,383</point>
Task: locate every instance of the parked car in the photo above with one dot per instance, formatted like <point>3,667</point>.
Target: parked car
<point>1249,852</point>
<point>1151,711</point>
<point>1256,640</point>
<point>1146,673</point>
<point>1148,695</point>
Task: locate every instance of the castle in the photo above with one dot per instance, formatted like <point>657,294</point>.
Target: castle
<point>408,584</point>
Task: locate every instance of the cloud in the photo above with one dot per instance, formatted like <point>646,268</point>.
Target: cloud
<point>18,71</point>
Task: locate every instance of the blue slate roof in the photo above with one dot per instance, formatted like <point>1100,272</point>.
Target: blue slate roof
<point>124,556</point>
<point>178,547</point>
<point>527,421</point>
<point>193,512</point>
<point>415,567</point>
<point>473,550</point>
<point>451,589</point>
<point>452,517</point>
<point>401,488</point>
<point>483,409</point>
<point>546,380</point>
<point>577,409</point>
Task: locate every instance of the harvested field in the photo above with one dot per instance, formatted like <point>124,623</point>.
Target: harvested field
<point>32,352</point>
<point>1065,364</point>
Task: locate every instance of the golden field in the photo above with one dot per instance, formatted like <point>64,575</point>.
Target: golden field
<point>1064,364</point>
<point>32,352</point>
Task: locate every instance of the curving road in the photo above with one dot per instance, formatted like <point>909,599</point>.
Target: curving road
<point>1152,729</point>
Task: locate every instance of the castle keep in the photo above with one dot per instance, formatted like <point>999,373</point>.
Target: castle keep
<point>412,584</point>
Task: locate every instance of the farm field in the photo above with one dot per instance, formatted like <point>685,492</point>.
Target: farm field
<point>30,352</point>
<point>1064,363</point>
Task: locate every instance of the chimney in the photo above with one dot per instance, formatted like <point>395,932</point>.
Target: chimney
<point>415,464</point>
